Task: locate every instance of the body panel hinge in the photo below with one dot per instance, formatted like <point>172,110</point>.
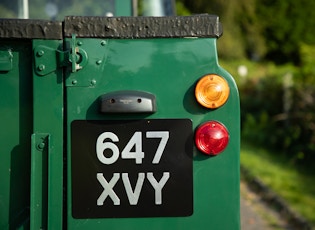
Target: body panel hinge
<point>48,60</point>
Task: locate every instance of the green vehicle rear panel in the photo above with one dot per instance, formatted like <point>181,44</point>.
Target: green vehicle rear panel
<point>169,69</point>
<point>16,123</point>
<point>62,84</point>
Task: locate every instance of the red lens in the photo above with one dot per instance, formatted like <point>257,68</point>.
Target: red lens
<point>211,138</point>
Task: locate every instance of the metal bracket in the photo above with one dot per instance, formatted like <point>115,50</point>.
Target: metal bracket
<point>39,180</point>
<point>47,59</point>
<point>6,58</point>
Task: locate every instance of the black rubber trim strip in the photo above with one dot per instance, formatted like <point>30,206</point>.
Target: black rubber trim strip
<point>30,29</point>
<point>115,27</point>
<point>143,27</point>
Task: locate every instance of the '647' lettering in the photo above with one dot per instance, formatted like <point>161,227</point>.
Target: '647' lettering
<point>132,150</point>
<point>127,153</point>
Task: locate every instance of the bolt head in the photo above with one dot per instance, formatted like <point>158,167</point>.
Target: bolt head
<point>40,53</point>
<point>41,146</point>
<point>41,67</point>
<point>93,82</point>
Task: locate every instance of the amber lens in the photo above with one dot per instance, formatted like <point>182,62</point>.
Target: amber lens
<point>212,91</point>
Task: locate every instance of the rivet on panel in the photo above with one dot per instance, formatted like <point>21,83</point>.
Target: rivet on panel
<point>103,42</point>
<point>74,82</point>
<point>40,53</point>
<point>98,62</point>
<point>41,146</point>
<point>93,82</point>
<point>41,67</point>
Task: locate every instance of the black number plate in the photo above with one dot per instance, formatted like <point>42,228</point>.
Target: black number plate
<point>140,168</point>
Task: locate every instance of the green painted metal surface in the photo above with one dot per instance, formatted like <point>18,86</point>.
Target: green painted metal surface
<point>39,182</point>
<point>169,69</point>
<point>31,164</point>
<point>16,129</point>
<point>47,168</point>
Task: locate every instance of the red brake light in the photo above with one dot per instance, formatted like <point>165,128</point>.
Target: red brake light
<point>211,138</point>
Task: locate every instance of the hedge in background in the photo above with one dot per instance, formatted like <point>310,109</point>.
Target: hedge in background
<point>279,112</point>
